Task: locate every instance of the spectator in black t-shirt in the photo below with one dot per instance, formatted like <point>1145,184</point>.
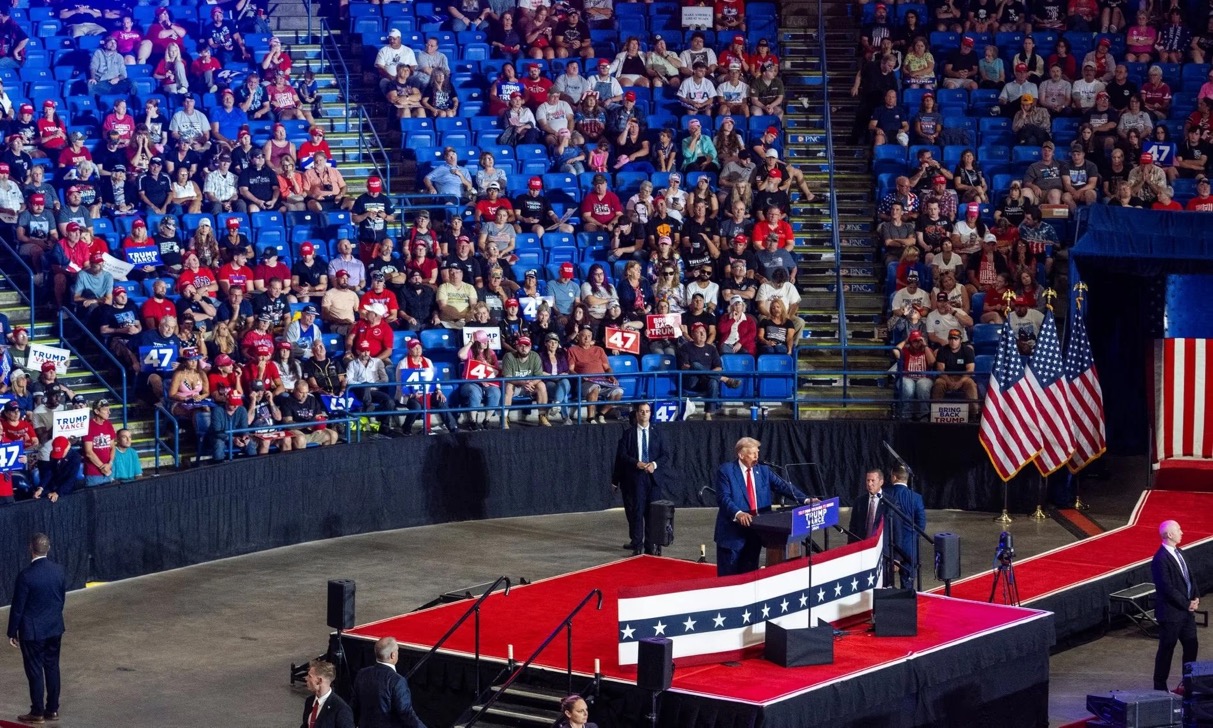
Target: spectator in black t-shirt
<point>118,192</point>
<point>154,187</point>
<point>118,324</point>
<point>416,301</point>
<point>738,284</point>
<point>18,160</point>
<point>372,212</point>
<point>533,213</point>
<point>309,276</point>
<point>874,78</point>
<point>955,362</point>
<point>696,355</point>
<point>960,71</point>
<point>739,249</point>
<point>271,302</point>
<point>697,313</point>
<point>1192,157</point>
<point>107,155</point>
<point>301,407</point>
<point>259,185</point>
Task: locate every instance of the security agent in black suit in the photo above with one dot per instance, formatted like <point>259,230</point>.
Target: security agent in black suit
<point>381,697</point>
<point>35,624</point>
<point>1177,597</point>
<point>324,708</point>
<point>867,511</point>
<point>642,471</point>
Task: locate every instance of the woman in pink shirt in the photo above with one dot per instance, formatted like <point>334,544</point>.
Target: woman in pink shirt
<point>120,121</point>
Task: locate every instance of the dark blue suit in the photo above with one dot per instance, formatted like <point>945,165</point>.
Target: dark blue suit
<point>738,547</point>
<point>36,619</point>
<point>335,713</point>
<point>638,487</point>
<point>904,538</point>
<point>381,699</point>
<point>1175,622</point>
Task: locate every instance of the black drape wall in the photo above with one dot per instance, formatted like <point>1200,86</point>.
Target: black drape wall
<point>214,512</point>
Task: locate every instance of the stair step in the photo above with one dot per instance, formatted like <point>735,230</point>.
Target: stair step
<point>532,692</point>
<point>525,715</point>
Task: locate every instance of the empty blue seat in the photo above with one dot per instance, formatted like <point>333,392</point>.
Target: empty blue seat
<point>776,388</point>
<point>439,340</point>
<point>660,385</point>
<point>737,366</point>
<point>626,370</point>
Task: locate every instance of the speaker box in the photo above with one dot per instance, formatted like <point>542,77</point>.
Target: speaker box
<point>341,604</point>
<point>798,647</point>
<point>895,612</point>
<point>660,523</point>
<point>655,664</point>
<point>1153,709</point>
<point>947,556</point>
<point>1198,680</point>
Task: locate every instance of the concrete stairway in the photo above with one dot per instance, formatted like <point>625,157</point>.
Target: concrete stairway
<point>827,331</point>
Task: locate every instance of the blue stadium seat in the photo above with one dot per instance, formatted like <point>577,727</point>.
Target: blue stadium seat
<point>439,340</point>
<point>626,371</point>
<point>660,385</point>
<point>737,366</point>
<point>985,338</point>
<point>776,388</point>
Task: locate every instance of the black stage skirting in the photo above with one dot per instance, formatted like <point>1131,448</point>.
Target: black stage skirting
<point>214,512</point>
<point>996,680</point>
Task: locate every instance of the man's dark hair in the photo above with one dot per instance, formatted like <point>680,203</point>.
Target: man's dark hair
<point>40,544</point>
<point>878,471</point>
<point>1032,210</point>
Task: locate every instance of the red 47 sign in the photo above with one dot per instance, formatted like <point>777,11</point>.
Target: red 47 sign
<point>625,340</point>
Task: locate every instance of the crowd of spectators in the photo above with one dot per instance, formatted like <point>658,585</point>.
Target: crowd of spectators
<point>149,195</point>
<point>992,125</point>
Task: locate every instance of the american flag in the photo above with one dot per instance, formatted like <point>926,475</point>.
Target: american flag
<point>1009,431</point>
<point>1084,395</point>
<point>1183,400</point>
<point>1056,429</point>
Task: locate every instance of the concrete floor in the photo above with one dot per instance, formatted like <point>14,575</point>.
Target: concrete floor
<point>162,650</point>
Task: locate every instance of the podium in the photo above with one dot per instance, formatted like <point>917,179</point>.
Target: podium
<point>783,532</point>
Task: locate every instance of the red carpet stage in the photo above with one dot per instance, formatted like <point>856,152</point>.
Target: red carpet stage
<point>966,657</point>
<point>1074,581</point>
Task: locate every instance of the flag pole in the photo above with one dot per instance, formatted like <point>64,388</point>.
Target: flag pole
<point>1004,518</point>
<point>1039,513</point>
<point>1080,288</point>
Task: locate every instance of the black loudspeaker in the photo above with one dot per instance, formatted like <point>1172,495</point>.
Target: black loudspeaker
<point>660,523</point>
<point>895,612</point>
<point>1198,680</point>
<point>947,556</point>
<point>341,604</point>
<point>798,647</point>
<point>655,664</point>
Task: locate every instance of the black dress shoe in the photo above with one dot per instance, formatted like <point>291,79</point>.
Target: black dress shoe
<point>628,546</point>
<point>637,552</point>
<point>32,718</point>
<point>53,715</point>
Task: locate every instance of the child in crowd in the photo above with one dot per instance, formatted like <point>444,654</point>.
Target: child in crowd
<point>126,460</point>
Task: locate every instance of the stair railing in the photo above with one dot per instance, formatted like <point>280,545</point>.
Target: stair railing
<point>370,145</point>
<point>834,222</point>
<point>27,289</point>
<point>472,610</point>
<point>566,625</point>
<point>330,52</point>
<point>66,317</point>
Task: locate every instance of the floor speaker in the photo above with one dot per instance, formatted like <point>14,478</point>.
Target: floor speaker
<point>947,556</point>
<point>660,523</point>
<point>799,647</point>
<point>654,664</point>
<point>1198,679</point>
<point>341,604</point>
<point>895,612</point>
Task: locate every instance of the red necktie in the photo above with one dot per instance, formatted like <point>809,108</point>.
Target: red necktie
<point>749,488</point>
<point>311,722</point>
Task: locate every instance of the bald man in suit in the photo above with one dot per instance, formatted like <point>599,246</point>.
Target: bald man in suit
<point>1177,597</point>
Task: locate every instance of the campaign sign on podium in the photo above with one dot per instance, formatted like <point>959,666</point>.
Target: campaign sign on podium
<point>814,516</point>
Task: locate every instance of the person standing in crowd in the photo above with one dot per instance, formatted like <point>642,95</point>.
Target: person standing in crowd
<point>642,474</point>
<point>1175,603</point>
<point>35,625</point>
<point>743,490</point>
<point>324,708</point>
<point>381,697</point>
<point>575,713</point>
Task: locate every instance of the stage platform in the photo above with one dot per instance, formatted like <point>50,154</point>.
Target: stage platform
<point>970,664</point>
<point>1074,581</point>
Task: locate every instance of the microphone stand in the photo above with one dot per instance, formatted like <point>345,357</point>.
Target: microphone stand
<point>900,461</point>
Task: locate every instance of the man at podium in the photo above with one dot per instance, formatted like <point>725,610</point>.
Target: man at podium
<point>743,490</point>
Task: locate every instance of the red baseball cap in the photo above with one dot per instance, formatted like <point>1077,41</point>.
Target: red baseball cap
<point>536,183</point>
<point>374,184</point>
<point>629,96</point>
<point>1021,67</point>
<point>739,38</point>
<point>263,350</point>
<point>139,224</point>
<point>967,42</point>
<point>59,447</point>
<point>511,302</point>
<point>26,109</point>
<point>284,345</point>
<point>773,131</point>
<point>1105,43</point>
<point>4,167</point>
<point>939,179</point>
<point>37,199</point>
<point>223,360</point>
<point>343,273</point>
<point>49,104</point>
<point>740,238</point>
<point>524,341</point>
<point>97,258</point>
<point>74,226</point>
<point>915,336</point>
<point>234,397</point>
<point>48,366</point>
<point>566,270</point>
<point>233,223</point>
<point>410,343</point>
<point>1147,158</point>
<point>316,131</point>
<point>307,249</point>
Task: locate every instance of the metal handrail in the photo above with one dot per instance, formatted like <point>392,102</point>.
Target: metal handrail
<point>336,61</point>
<point>565,624</point>
<point>231,432</point>
<point>829,126</point>
<point>64,315</point>
<point>474,609</point>
<point>308,5</point>
<point>30,298</point>
<point>175,450</point>
<point>373,147</point>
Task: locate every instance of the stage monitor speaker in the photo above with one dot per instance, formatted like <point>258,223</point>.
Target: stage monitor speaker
<point>655,664</point>
<point>341,604</point>
<point>799,647</point>
<point>1153,709</point>
<point>660,523</point>
<point>947,556</point>
<point>1198,680</point>
<point>895,612</point>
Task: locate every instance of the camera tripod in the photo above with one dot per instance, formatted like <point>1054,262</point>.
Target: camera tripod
<point>1004,571</point>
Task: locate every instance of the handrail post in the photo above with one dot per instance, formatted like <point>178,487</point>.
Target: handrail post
<point>568,664</point>
<point>476,659</point>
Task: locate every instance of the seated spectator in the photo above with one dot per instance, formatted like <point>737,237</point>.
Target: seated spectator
<point>960,70</point>
<point>738,331</point>
<point>1147,179</point>
<point>966,236</point>
<point>991,74</point>
<point>1056,93</point>
<point>955,362</point>
<point>228,415</point>
<point>697,355</point>
<point>259,185</point>
<point>587,358</point>
<point>779,287</point>
<point>888,123</point>
<point>918,66</point>
<point>326,186</point>
<point>944,319</point>
<point>438,97</point>
<point>914,359</point>
<point>1134,119</point>
<point>776,332</point>
<point>107,70</point>
<point>405,94</point>
<point>571,37</point>
<point>523,362</point>
<point>927,124</point>
<point>1174,39</point>
<point>1155,96</point>
<point>1039,235</point>
<point>1085,89</point>
<point>505,40</point>
<point>983,270</point>
<point>1080,179</point>
<point>59,475</point>
<point>301,406</point>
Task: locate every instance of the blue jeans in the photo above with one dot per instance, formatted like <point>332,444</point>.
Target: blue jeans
<point>479,395</point>
<point>10,62</point>
<point>92,481</point>
<point>440,409</point>
<point>218,446</point>
<point>558,394</point>
<point>696,384</point>
<point>915,396</point>
<point>105,88</point>
<point>459,26</point>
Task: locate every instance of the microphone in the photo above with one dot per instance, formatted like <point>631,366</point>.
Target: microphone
<point>770,464</point>
<point>703,490</point>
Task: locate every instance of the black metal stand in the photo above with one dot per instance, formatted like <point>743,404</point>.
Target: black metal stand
<point>652,716</point>
<point>1005,572</point>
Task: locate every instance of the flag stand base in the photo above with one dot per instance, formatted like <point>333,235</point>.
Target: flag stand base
<point>1038,514</point>
<point>1079,505</point>
<point>1004,517</point>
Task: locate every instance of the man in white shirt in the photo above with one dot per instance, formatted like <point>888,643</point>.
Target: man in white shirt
<point>698,93</point>
<point>367,369</point>
<point>946,318</point>
<point>191,125</point>
<point>554,115</point>
<point>395,53</point>
<point>324,708</point>
<point>222,188</point>
<point>1026,319</point>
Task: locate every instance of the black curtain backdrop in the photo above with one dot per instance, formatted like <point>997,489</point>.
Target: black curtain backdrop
<point>214,512</point>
